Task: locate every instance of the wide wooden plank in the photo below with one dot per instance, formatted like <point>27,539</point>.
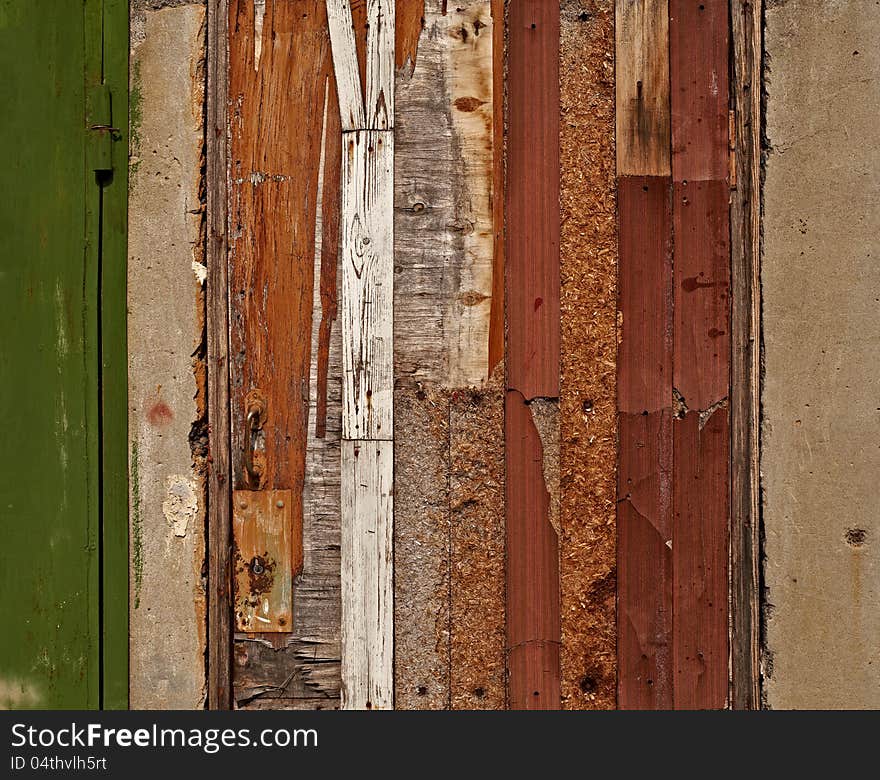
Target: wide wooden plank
<point>698,43</point>
<point>745,369</point>
<point>642,84</point>
<point>367,575</point>
<point>532,566</point>
<point>702,293</point>
<point>367,227</point>
<point>699,554</point>
<point>532,199</point>
<point>644,392</point>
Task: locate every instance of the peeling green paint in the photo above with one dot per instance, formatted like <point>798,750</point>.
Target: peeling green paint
<point>137,531</point>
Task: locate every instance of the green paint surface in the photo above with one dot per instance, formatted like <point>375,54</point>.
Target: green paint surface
<point>62,359</point>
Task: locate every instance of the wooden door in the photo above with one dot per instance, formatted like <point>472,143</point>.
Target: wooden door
<point>63,501</point>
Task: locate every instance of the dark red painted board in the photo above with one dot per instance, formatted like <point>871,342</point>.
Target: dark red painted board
<point>644,360</point>
<point>644,563</point>
<point>700,532</point>
<point>532,199</point>
<point>533,633</point>
<point>702,292</point>
<point>644,516</point>
<point>698,69</point>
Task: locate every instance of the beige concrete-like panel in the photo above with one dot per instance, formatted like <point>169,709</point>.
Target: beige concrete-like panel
<point>821,286</point>
<point>166,378</point>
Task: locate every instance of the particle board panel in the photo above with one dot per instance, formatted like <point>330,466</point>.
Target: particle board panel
<point>698,68</point>
<point>644,383</point>
<point>532,199</point>
<point>588,358</point>
<point>701,373</point>
<point>642,85</point>
<point>699,553</point>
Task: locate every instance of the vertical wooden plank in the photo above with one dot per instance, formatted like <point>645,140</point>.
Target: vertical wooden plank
<point>642,84</point>
<point>698,45</point>
<point>644,396</point>
<point>587,403</point>
<point>380,67</point>
<point>701,448</point>
<point>345,65</point>
<point>499,64</point>
<point>367,575</point>
<point>532,199</point>
<point>745,335</point>
<point>532,566</point>
<point>219,459</point>
<point>367,228</point>
<point>532,309</point>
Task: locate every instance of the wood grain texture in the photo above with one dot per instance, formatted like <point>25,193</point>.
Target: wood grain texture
<point>699,555</point>
<point>642,83</point>
<point>532,566</point>
<point>409,23</point>
<point>532,199</point>
<point>588,356</point>
<point>367,575</point>
<point>499,70</point>
<point>367,229</point>
<point>219,532</point>
<point>381,37</point>
<point>644,391</point>
<point>698,44</point>
<point>644,562</point>
<point>745,404</point>
<point>281,272</point>
<point>345,65</point>
<point>701,360</point>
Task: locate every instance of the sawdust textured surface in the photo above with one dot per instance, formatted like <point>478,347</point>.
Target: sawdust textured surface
<point>588,391</point>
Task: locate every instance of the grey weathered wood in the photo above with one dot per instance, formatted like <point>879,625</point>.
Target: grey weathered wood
<point>745,343</point>
<point>219,481</point>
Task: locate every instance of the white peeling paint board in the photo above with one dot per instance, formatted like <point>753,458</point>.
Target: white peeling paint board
<point>380,64</point>
<point>367,247</point>
<point>367,575</point>
<point>345,64</point>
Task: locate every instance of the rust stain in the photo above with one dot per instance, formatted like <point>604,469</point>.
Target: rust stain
<point>160,414</point>
<point>410,21</point>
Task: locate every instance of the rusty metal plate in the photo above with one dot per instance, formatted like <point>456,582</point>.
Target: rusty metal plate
<point>265,559</point>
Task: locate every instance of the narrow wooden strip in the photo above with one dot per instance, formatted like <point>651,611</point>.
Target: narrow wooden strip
<point>532,566</point>
<point>367,284</point>
<point>644,392</point>
<point>410,21</point>
<point>642,83</point>
<point>587,403</point>
<point>644,567</point>
<point>367,575</point>
<point>745,399</point>
<point>644,360</point>
<point>219,460</point>
<point>380,64</point>
<point>698,45</point>
<point>499,65</point>
<point>702,293</point>
<point>345,64</point>
<point>532,199</point>
<point>699,555</point>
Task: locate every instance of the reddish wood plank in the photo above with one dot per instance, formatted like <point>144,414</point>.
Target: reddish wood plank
<point>532,566</point>
<point>644,522</point>
<point>532,199</point>
<point>702,292</point>
<point>698,67</point>
<point>644,361</point>
<point>644,561</point>
<point>700,531</point>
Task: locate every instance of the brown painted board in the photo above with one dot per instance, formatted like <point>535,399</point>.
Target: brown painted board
<point>532,566</point>
<point>644,392</point>
<point>644,561</point>
<point>698,69</point>
<point>642,84</point>
<point>702,292</point>
<point>700,500</point>
<point>532,199</point>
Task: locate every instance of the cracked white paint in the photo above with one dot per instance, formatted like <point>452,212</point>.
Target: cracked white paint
<point>181,504</point>
<point>200,271</point>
